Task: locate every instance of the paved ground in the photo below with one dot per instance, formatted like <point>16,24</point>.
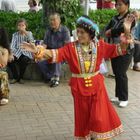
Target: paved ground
<point>37,112</point>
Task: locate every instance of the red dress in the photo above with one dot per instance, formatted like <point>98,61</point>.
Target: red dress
<point>94,114</point>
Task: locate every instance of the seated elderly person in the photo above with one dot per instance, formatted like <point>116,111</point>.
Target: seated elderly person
<point>21,57</point>
<point>56,36</point>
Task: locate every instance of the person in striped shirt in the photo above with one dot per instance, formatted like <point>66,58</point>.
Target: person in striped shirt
<point>21,57</point>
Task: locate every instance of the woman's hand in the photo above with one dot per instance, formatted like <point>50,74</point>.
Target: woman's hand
<point>126,37</point>
<point>127,23</point>
<point>29,47</point>
<point>125,41</point>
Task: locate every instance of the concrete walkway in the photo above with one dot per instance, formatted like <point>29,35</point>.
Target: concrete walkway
<point>38,112</point>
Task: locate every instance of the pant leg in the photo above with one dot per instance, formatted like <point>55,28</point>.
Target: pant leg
<point>22,63</point>
<point>45,69</point>
<point>13,68</point>
<point>137,53</point>
<point>57,70</point>
<point>120,66</point>
<point>4,86</point>
<point>43,66</point>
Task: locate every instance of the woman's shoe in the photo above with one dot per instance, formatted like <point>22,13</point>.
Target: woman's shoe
<point>4,101</point>
<point>123,104</point>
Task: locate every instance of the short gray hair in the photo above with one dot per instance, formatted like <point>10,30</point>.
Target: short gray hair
<point>55,14</point>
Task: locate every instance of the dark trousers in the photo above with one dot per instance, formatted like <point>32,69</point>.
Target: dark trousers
<point>136,53</point>
<point>49,70</point>
<point>120,66</point>
<point>22,63</point>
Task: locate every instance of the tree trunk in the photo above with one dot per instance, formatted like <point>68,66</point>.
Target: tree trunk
<point>86,8</point>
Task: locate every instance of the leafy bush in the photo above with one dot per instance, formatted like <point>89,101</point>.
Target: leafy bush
<point>35,21</point>
<point>68,9</point>
<point>102,17</point>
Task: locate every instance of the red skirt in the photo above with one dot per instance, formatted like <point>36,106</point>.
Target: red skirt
<point>95,117</point>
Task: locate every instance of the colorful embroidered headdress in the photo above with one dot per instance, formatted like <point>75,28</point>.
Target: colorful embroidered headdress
<point>88,24</point>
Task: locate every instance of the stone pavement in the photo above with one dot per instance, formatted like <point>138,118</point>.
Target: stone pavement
<point>37,112</point>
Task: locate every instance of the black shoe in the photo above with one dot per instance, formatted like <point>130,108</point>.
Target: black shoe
<point>54,83</point>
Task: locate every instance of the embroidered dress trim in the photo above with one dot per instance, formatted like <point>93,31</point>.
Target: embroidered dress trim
<point>103,136</point>
<point>80,58</point>
<point>75,46</point>
<point>93,60</point>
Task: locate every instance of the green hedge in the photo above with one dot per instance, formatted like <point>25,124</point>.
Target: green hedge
<point>35,24</point>
<point>102,17</point>
<point>34,20</point>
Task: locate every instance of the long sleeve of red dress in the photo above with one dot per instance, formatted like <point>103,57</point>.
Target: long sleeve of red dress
<point>70,54</point>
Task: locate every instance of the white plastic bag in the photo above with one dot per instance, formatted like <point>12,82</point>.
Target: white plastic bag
<point>103,67</point>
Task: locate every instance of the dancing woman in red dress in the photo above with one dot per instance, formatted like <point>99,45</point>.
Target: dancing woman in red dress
<point>95,117</point>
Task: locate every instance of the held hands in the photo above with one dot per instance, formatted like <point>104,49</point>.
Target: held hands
<point>29,47</point>
<point>40,53</point>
